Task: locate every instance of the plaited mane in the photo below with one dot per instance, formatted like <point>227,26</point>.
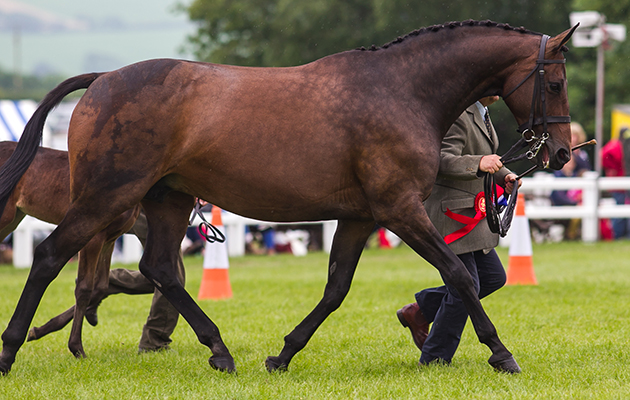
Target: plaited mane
<point>449,25</point>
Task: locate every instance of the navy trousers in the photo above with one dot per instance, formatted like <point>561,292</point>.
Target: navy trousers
<point>443,307</point>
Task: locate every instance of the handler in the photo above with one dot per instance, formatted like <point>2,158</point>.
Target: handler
<point>468,150</point>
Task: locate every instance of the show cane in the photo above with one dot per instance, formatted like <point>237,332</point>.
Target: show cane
<point>577,146</point>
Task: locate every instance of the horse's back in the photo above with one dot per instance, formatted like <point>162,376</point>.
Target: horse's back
<point>246,131</point>
<point>43,191</point>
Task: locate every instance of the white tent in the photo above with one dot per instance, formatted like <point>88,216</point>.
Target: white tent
<point>14,114</point>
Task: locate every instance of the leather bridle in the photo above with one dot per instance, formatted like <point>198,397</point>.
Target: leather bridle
<point>528,137</point>
<point>526,130</point>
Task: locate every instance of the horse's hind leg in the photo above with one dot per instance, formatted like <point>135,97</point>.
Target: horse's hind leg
<point>347,247</point>
<point>49,258</point>
<point>167,223</point>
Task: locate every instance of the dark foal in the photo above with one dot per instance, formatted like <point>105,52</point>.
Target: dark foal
<point>44,193</point>
<point>354,136</point>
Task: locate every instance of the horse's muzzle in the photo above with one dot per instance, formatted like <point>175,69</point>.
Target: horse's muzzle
<point>549,159</point>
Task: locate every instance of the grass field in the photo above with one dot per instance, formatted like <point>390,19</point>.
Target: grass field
<point>569,334</point>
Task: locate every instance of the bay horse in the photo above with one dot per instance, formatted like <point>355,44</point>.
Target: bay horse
<point>43,192</point>
<point>354,136</point>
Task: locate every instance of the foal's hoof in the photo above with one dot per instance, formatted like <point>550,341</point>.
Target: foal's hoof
<point>224,364</point>
<point>91,316</point>
<point>273,364</point>
<point>508,365</point>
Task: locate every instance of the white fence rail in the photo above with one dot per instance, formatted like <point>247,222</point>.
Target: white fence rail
<point>540,186</point>
<point>590,211</point>
<point>132,249</point>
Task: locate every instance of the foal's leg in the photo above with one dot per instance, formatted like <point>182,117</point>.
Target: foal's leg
<point>167,223</point>
<point>94,286</point>
<point>412,225</point>
<point>88,260</point>
<point>53,325</point>
<point>9,225</point>
<point>92,263</point>
<point>102,290</point>
<point>49,258</point>
<point>347,247</point>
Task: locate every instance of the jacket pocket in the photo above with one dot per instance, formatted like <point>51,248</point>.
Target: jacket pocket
<point>458,203</point>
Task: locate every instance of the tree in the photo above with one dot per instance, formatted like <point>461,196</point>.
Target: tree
<point>32,87</point>
<point>292,32</point>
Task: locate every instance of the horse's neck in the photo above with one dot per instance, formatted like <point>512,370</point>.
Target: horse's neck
<point>461,68</point>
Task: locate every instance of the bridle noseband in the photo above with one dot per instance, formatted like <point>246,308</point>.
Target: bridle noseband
<point>528,136</point>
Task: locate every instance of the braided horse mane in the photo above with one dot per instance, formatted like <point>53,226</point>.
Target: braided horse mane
<point>449,25</point>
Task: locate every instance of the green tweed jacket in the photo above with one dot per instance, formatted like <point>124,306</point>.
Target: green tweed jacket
<point>458,184</point>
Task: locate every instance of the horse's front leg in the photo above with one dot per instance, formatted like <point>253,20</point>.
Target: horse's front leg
<point>413,225</point>
<point>347,247</point>
<point>167,223</point>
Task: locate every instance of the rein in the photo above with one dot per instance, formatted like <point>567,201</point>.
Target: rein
<point>493,208</point>
<point>209,232</point>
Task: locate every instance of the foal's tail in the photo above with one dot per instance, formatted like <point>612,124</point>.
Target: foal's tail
<point>26,149</point>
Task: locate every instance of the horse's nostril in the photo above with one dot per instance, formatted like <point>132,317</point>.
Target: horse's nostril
<point>563,156</point>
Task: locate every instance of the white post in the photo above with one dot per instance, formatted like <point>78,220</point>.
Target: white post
<point>599,109</point>
<point>590,201</point>
<point>23,247</point>
<point>131,249</point>
<point>235,238</point>
<point>328,233</point>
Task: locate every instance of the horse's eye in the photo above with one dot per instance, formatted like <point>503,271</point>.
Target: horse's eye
<point>555,87</point>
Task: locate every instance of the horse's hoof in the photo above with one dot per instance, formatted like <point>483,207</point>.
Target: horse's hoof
<point>224,364</point>
<point>273,364</point>
<point>77,351</point>
<point>508,365</point>
<point>32,335</point>
<point>5,366</point>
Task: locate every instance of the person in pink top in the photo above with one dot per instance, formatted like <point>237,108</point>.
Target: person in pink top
<point>613,165</point>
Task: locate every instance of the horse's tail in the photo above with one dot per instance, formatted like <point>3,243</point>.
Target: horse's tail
<point>26,149</point>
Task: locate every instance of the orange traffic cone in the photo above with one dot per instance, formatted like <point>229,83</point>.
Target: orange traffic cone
<point>215,283</point>
<point>520,266</point>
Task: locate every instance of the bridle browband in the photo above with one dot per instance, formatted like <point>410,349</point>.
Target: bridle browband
<point>528,136</point>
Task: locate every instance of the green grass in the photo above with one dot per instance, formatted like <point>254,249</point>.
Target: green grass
<point>569,334</point>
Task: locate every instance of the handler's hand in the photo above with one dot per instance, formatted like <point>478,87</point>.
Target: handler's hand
<point>509,183</point>
<point>491,163</point>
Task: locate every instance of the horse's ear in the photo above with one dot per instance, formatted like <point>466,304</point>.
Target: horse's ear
<point>560,40</point>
